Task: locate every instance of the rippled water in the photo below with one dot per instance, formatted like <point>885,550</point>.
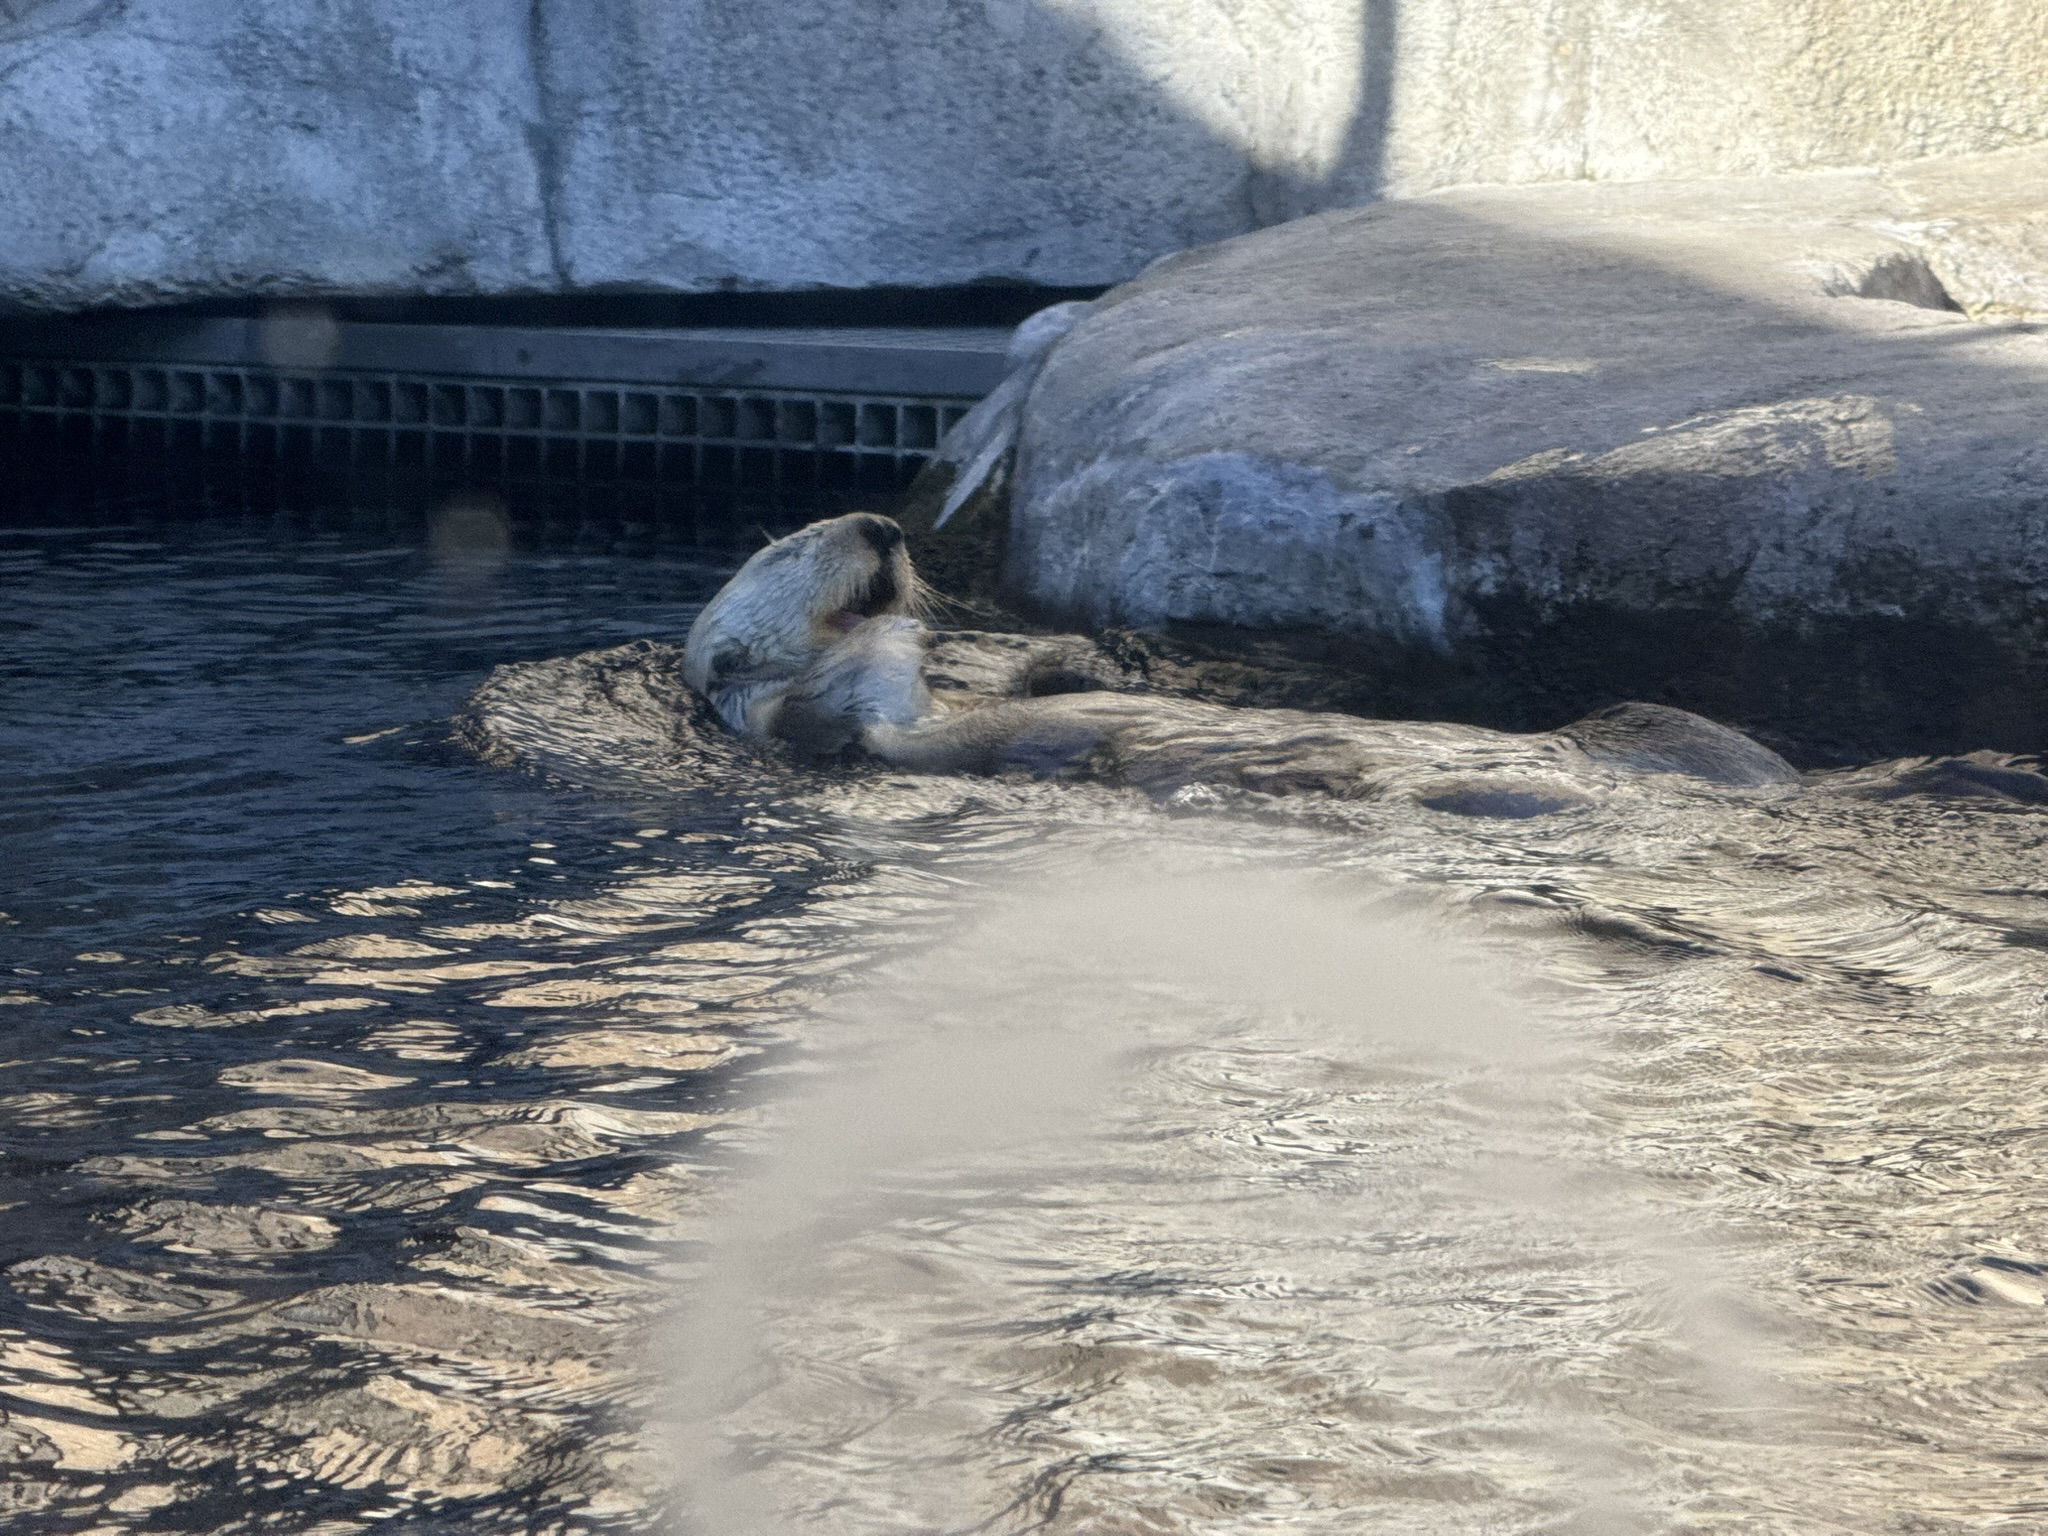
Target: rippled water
<point>566,1120</point>
<point>323,1200</point>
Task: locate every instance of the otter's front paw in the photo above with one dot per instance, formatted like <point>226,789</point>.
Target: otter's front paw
<point>872,677</point>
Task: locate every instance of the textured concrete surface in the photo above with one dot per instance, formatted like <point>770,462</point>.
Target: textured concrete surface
<point>159,150</point>
<point>1486,91</point>
<point>1468,425</point>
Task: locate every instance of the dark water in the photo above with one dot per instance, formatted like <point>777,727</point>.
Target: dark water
<point>262,1086</point>
<point>569,1121</point>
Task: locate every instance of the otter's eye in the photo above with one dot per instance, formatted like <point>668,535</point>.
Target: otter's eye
<point>726,662</point>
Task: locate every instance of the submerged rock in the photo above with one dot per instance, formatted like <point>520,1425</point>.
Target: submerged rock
<point>1770,449</point>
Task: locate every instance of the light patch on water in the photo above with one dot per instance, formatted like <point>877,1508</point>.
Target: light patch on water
<point>1165,1190</point>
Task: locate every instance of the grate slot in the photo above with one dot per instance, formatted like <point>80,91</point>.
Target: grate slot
<point>487,407</point>
<point>717,418</point>
<point>450,405</point>
<point>569,429</point>
<point>877,427</point>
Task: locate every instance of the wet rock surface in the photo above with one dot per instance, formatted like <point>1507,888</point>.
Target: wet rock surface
<point>1766,449</point>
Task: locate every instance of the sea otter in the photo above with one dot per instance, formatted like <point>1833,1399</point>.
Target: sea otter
<point>817,642</point>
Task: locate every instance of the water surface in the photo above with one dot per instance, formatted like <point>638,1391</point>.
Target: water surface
<point>398,1137</point>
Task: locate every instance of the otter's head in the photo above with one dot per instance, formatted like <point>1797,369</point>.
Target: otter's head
<point>788,608</point>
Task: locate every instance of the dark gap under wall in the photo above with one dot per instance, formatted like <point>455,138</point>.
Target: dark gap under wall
<point>828,307</point>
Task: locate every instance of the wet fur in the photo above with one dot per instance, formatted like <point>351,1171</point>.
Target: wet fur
<point>774,661</point>
<point>771,651</point>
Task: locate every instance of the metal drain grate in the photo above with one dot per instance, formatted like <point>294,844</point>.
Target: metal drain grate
<point>553,429</point>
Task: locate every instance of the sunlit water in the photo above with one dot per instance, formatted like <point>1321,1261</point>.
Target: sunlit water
<point>548,1116</point>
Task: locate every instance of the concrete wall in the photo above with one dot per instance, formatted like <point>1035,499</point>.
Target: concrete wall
<point>162,149</point>
<point>1492,91</point>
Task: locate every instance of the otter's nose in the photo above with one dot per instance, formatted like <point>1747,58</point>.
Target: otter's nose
<point>881,533</point>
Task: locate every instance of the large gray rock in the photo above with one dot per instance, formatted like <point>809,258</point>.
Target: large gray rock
<point>167,149</point>
<point>1774,449</point>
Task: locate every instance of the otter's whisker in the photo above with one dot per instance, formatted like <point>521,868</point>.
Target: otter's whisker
<point>921,600</point>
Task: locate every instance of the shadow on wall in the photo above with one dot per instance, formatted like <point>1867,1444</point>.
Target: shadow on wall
<point>1303,95</point>
<point>1361,171</point>
<point>160,152</point>
<point>1080,138</point>
<point>1068,142</point>
<point>1357,172</point>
